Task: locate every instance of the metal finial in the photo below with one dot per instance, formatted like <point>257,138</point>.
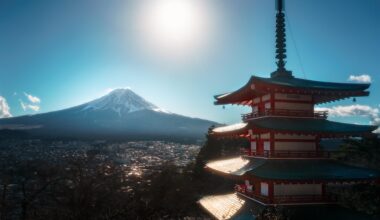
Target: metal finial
<point>280,41</point>
<point>280,37</point>
<point>279,5</point>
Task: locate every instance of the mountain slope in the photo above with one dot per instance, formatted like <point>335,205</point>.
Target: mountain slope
<point>121,114</point>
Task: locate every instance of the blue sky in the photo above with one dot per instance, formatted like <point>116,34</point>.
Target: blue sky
<point>66,53</point>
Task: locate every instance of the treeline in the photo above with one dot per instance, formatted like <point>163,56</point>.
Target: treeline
<point>363,153</point>
<point>89,187</point>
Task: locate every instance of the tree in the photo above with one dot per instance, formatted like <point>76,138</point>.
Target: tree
<point>365,153</point>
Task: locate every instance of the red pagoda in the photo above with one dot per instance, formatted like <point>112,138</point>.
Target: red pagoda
<point>285,164</point>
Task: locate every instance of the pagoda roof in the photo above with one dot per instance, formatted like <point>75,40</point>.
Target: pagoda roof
<point>299,169</point>
<point>237,165</point>
<point>323,127</point>
<point>228,206</point>
<point>323,91</point>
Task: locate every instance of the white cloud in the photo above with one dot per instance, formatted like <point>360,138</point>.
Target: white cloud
<point>351,110</point>
<point>34,107</point>
<point>23,105</point>
<point>355,110</point>
<point>32,99</point>
<point>4,108</point>
<point>26,106</point>
<point>364,78</point>
<point>32,103</point>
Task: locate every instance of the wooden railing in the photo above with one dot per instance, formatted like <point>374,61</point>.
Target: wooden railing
<point>301,198</point>
<point>286,153</point>
<point>290,154</point>
<point>286,112</point>
<point>241,188</point>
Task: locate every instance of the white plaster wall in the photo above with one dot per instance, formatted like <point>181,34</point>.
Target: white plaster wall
<point>297,97</point>
<point>265,97</point>
<point>253,145</point>
<point>265,136</point>
<point>253,136</point>
<point>294,106</point>
<point>295,136</point>
<point>297,189</point>
<point>266,145</point>
<point>264,189</point>
<point>296,146</point>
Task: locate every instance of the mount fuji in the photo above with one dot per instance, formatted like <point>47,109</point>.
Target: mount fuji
<point>121,114</point>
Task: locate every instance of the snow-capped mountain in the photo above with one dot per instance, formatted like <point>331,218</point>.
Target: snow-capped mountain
<point>119,114</point>
<point>122,101</point>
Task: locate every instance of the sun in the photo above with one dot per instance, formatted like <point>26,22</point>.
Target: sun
<point>175,19</point>
<point>175,26</point>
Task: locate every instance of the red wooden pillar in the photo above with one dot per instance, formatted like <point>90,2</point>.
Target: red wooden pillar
<point>272,102</point>
<point>271,139</point>
<point>256,187</point>
<point>324,191</point>
<point>259,145</point>
<point>271,191</point>
<point>318,146</point>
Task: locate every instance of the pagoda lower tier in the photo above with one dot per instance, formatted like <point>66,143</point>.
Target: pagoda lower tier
<point>289,181</point>
<point>294,125</point>
<point>290,137</point>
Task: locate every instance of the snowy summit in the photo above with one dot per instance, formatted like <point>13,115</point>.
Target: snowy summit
<point>122,101</point>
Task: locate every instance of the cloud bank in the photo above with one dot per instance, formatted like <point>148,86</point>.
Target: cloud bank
<point>355,110</point>
<point>4,108</point>
<point>361,78</point>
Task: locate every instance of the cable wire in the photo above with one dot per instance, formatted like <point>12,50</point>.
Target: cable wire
<point>295,46</point>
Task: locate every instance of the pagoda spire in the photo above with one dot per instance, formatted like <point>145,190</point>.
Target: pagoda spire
<point>280,42</point>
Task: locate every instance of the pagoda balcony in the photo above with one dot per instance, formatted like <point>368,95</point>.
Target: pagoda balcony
<point>285,112</point>
<point>285,199</point>
<point>286,154</point>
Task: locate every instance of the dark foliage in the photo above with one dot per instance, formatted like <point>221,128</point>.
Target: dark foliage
<point>361,152</point>
<point>364,153</point>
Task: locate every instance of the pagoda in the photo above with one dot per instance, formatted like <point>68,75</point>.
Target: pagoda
<point>285,163</point>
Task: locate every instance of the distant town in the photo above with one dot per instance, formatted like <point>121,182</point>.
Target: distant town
<point>137,158</point>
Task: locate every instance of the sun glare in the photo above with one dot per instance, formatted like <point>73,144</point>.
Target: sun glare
<point>174,20</point>
<point>173,26</point>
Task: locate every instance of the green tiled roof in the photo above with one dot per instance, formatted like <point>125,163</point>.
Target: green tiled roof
<point>252,165</point>
<point>311,125</point>
<point>311,170</point>
<point>311,84</point>
<point>302,169</point>
<point>228,206</point>
<point>301,125</point>
<point>246,93</point>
